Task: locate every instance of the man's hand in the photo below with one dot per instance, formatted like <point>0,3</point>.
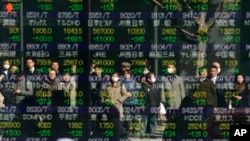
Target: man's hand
<point>129,94</point>
<point>18,91</point>
<point>238,97</point>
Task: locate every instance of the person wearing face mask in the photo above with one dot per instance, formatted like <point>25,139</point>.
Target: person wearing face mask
<point>114,95</point>
<point>5,74</point>
<point>7,84</point>
<point>173,86</point>
<point>115,92</point>
<point>150,109</point>
<point>147,69</point>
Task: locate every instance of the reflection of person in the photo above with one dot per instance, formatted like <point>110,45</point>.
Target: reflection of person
<point>5,73</point>
<point>69,87</point>
<point>134,88</point>
<point>50,82</point>
<point>241,88</point>
<point>125,66</point>
<point>55,66</point>
<point>14,70</point>
<point>150,109</point>
<point>31,70</point>
<point>23,89</point>
<point>207,86</point>
<point>115,93</point>
<point>217,64</point>
<point>7,83</point>
<point>213,75</point>
<point>174,90</point>
<point>96,84</point>
<point>147,69</point>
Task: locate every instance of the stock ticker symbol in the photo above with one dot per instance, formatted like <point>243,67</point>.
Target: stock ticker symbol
<point>9,7</point>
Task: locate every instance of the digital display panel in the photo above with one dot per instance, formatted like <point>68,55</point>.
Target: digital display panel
<point>78,34</point>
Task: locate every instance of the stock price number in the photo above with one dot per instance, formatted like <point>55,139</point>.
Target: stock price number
<point>44,125</point>
<point>76,133</point>
<point>44,133</point>
<point>71,62</point>
<point>12,132</point>
<point>231,63</point>
<point>169,134</point>
<point>140,102</point>
<point>43,101</point>
<point>198,134</point>
<point>108,128</point>
<point>78,102</point>
<point>104,39</point>
<point>106,125</point>
<point>108,70</point>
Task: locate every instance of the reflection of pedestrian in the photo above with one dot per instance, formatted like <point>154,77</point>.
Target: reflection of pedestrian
<point>213,75</point>
<point>150,109</point>
<point>50,82</point>
<point>23,89</point>
<point>114,95</point>
<point>97,81</point>
<point>132,87</point>
<point>242,91</point>
<point>125,66</point>
<point>173,88</point>
<point>6,83</point>
<point>69,87</point>
<point>208,87</point>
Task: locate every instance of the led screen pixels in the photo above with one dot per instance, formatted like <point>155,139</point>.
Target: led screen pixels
<point>108,32</point>
<point>190,34</point>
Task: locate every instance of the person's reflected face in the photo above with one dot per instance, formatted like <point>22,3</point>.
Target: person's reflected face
<point>213,72</point>
<point>52,74</point>
<point>66,77</point>
<point>55,66</point>
<point>127,75</point>
<point>98,71</point>
<point>30,63</point>
<point>204,73</point>
<point>13,69</point>
<point>240,79</point>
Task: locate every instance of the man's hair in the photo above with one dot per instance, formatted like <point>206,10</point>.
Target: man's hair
<point>97,66</point>
<point>213,66</point>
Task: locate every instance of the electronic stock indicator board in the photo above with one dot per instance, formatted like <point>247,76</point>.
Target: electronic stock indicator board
<point>107,32</point>
<point>189,34</point>
<point>45,31</point>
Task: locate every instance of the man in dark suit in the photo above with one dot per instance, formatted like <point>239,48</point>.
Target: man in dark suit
<point>213,75</point>
<point>207,86</point>
<point>32,74</point>
<point>31,70</point>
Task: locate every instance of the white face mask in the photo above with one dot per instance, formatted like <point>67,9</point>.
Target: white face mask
<point>115,79</point>
<point>153,80</point>
<point>145,72</point>
<point>6,66</point>
<point>170,70</point>
<point>219,70</point>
